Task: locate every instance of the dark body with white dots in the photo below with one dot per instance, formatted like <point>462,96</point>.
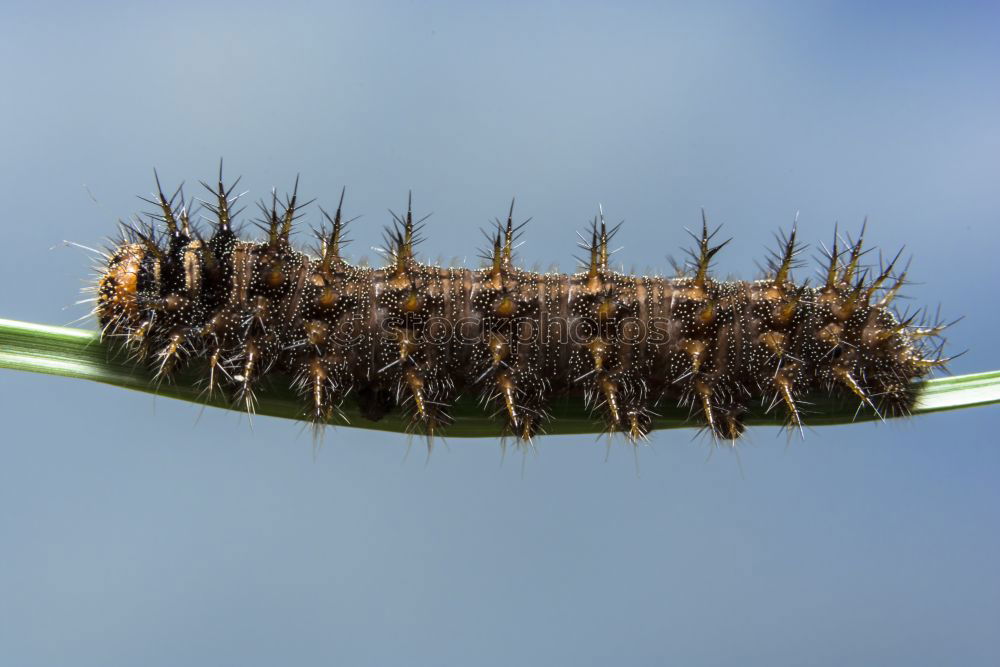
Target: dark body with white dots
<point>413,337</point>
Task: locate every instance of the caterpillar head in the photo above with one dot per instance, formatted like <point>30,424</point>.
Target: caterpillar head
<point>130,272</point>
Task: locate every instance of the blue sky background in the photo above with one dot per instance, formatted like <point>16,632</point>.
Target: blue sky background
<point>138,531</point>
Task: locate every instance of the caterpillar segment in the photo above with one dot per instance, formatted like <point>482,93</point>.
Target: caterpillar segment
<point>503,356</point>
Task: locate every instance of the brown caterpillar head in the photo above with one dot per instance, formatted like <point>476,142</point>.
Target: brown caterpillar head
<point>119,286</point>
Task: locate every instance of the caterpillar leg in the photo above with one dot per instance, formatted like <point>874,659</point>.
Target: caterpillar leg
<point>783,385</point>
<point>519,394</point>
<point>729,422</point>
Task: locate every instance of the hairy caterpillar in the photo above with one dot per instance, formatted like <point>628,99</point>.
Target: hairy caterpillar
<point>411,336</point>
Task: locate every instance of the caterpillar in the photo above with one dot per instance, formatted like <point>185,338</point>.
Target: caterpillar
<point>411,336</point>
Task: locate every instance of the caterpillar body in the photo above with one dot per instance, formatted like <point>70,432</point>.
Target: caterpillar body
<point>411,336</point>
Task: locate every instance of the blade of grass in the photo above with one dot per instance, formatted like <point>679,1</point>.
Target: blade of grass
<point>79,353</point>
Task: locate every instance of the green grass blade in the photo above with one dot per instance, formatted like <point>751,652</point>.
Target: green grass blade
<point>79,353</point>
